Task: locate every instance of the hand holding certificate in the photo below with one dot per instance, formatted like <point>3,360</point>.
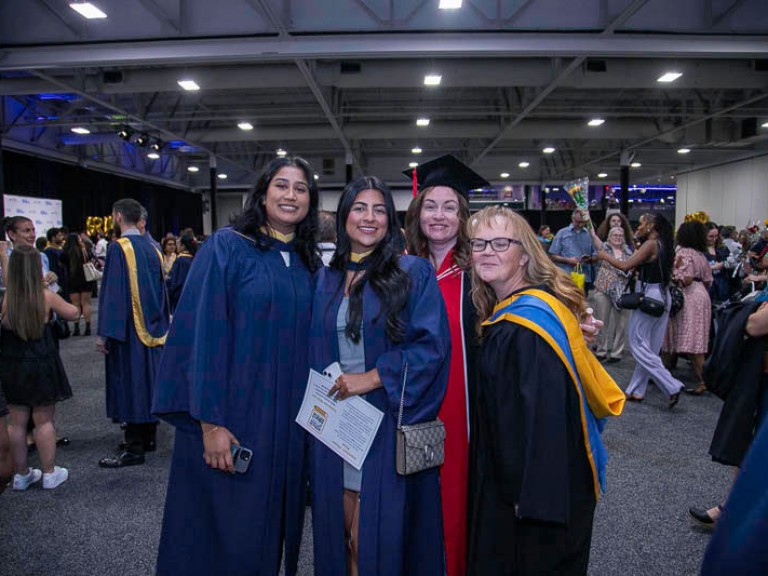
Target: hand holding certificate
<point>347,427</point>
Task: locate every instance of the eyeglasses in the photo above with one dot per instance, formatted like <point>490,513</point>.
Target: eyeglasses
<point>497,244</point>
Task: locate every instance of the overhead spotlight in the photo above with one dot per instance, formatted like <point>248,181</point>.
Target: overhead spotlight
<point>125,133</point>
<point>193,169</point>
<point>548,150</point>
<point>504,174</point>
<point>669,77</point>
<point>80,130</point>
<point>683,150</point>
<point>524,164</point>
<point>449,4</point>
<point>764,125</point>
<point>603,175</point>
<point>635,165</point>
<point>422,122</point>
<point>188,85</point>
<point>413,165</point>
<point>245,126</point>
<point>281,153</point>
<point>416,150</point>
<point>596,122</point>
<point>222,176</point>
<point>153,155</point>
<point>317,177</point>
<point>432,80</point>
<point>143,139</point>
<point>155,144</point>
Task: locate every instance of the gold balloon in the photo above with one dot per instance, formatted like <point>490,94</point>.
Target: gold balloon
<point>94,224</point>
<point>699,216</point>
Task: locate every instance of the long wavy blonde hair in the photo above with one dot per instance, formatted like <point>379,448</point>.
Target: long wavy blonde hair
<point>539,271</point>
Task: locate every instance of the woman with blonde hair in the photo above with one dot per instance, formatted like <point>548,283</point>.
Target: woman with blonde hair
<point>33,375</point>
<point>540,391</point>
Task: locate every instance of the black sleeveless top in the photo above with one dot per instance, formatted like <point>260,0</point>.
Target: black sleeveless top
<point>650,272</point>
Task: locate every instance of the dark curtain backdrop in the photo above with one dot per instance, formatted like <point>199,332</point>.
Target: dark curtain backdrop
<point>86,193</point>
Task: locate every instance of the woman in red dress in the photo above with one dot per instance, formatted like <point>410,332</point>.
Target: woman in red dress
<point>435,229</point>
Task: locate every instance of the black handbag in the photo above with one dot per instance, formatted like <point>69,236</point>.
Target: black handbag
<point>678,299</point>
<point>639,301</point>
<point>60,328</point>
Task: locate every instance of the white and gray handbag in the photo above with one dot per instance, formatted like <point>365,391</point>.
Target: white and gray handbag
<point>419,446</point>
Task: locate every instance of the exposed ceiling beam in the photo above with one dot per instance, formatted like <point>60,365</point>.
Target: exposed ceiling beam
<point>616,23</point>
<point>365,45</point>
<point>76,31</point>
<point>317,91</point>
<point>663,133</point>
<point>132,117</point>
<point>264,7</point>
<point>156,11</point>
<point>727,12</point>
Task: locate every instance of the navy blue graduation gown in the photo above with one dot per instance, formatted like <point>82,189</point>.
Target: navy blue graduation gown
<point>739,543</point>
<point>131,366</point>
<point>236,356</point>
<point>401,528</point>
<point>178,278</point>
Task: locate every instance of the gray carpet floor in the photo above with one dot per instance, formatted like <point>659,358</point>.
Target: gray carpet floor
<point>108,521</point>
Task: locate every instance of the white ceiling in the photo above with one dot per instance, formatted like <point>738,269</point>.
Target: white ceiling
<point>341,81</point>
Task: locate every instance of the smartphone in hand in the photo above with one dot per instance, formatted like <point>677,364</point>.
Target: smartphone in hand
<point>241,458</point>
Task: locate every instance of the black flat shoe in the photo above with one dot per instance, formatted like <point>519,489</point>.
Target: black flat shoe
<point>121,460</point>
<point>673,400</point>
<point>701,518</point>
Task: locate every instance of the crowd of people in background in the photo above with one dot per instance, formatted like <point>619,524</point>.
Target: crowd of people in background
<point>498,330</point>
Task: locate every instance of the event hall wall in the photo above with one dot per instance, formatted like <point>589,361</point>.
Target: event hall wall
<point>735,194</point>
<point>86,193</point>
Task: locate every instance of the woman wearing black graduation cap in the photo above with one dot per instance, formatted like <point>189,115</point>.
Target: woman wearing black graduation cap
<point>436,229</point>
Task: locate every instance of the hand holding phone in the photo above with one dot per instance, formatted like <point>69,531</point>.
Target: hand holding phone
<point>241,458</point>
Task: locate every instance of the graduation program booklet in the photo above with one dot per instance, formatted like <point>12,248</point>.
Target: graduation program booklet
<point>347,427</point>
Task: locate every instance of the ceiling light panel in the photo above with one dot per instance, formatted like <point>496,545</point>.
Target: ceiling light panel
<point>416,150</point>
<point>245,126</point>
<point>87,10</point>
<point>683,150</point>
<point>189,85</point>
<point>596,122</point>
<point>669,77</point>
<point>449,4</point>
<point>422,122</point>
<point>432,80</point>
<point>524,164</point>
<point>548,150</point>
<point>80,130</point>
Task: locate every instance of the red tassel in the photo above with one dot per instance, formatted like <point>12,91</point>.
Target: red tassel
<point>415,181</point>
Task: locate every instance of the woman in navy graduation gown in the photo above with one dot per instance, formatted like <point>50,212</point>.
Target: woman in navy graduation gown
<point>375,311</point>
<point>178,276</point>
<point>233,372</point>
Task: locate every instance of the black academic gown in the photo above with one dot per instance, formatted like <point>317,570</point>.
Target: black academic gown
<point>532,501</point>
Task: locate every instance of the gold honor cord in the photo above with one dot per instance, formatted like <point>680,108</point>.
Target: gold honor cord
<point>138,314</point>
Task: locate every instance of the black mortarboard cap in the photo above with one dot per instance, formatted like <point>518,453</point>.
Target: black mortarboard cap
<point>448,171</point>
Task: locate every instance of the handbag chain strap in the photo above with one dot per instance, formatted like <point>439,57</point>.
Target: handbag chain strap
<point>402,398</point>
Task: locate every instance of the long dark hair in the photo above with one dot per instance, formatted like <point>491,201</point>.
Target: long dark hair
<point>74,254</point>
<point>418,244</point>
<point>188,243</point>
<point>25,300</point>
<point>692,235</point>
<point>388,281</point>
<point>254,217</point>
<point>666,238</point>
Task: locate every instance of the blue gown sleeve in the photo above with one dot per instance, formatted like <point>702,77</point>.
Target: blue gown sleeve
<point>193,376</point>
<point>426,348</point>
<point>115,310</point>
